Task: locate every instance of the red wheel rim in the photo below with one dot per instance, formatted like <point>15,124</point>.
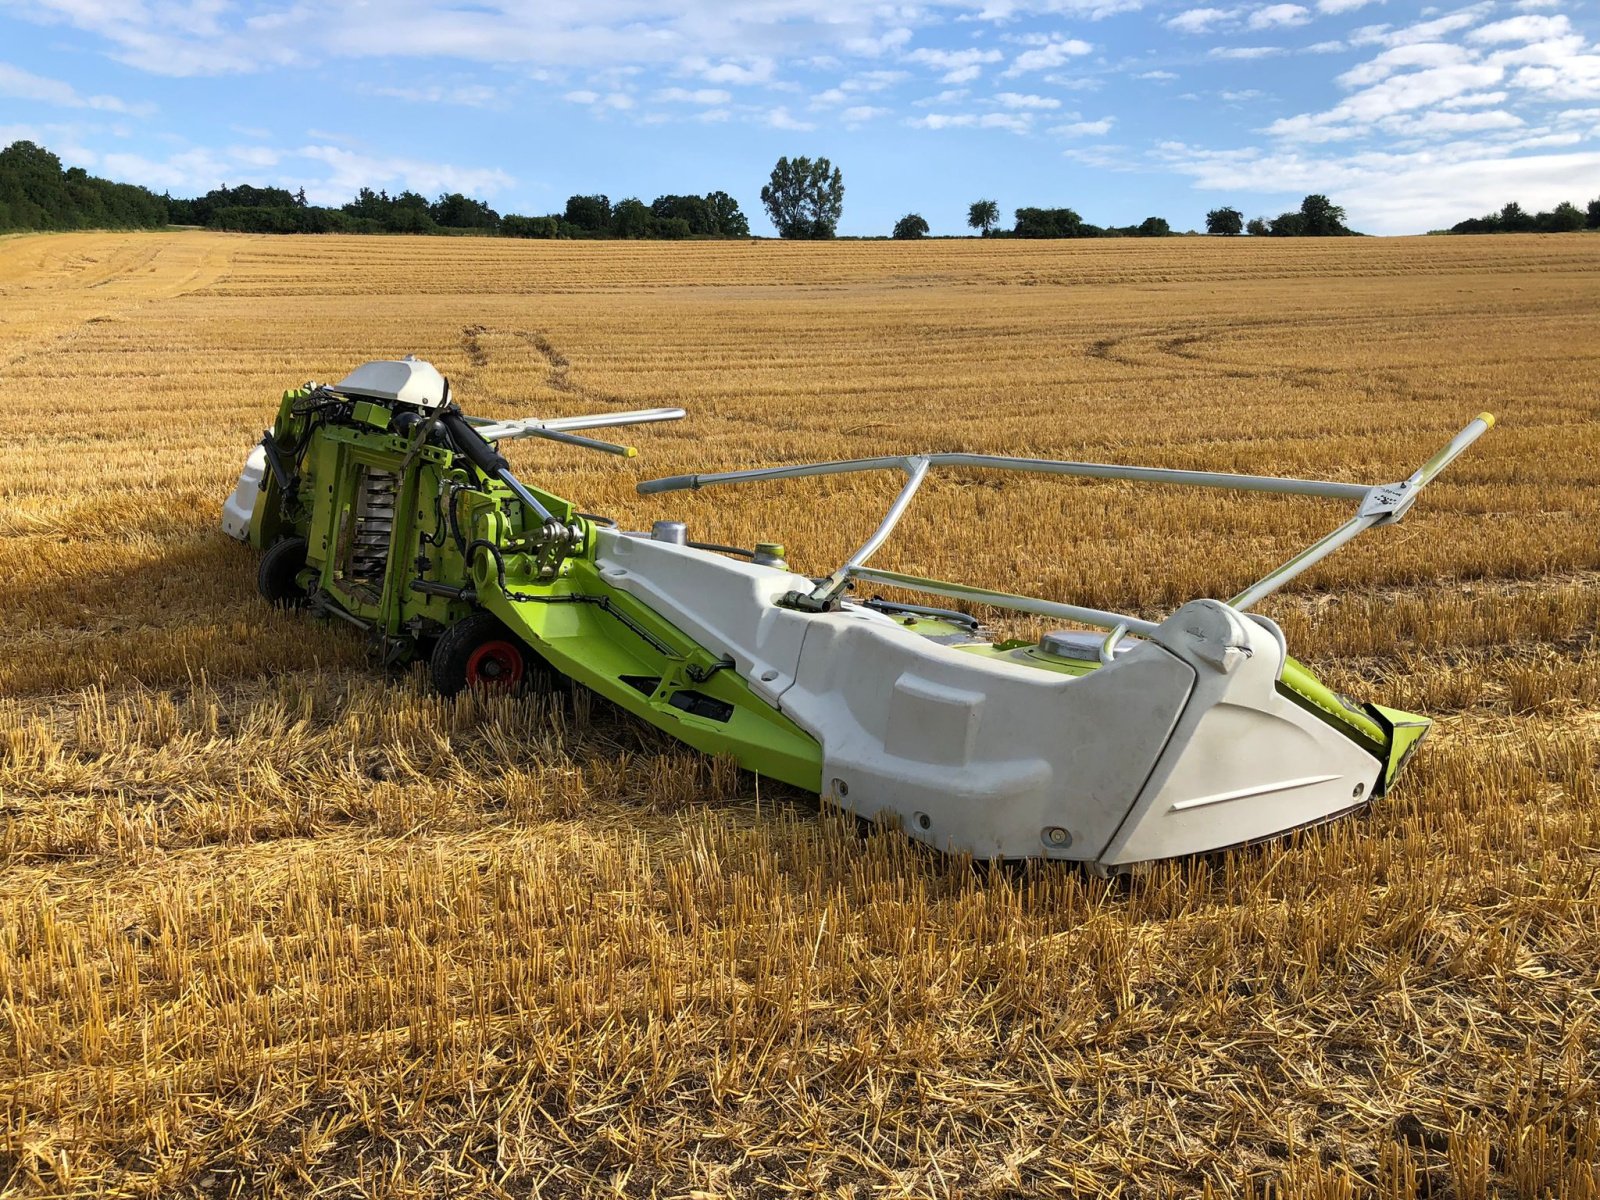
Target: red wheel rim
<point>495,665</point>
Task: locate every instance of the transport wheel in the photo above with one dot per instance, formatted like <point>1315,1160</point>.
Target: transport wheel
<point>479,651</point>
<point>275,577</point>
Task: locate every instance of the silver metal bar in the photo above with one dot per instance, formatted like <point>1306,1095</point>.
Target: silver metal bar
<point>1383,505</point>
<point>1029,604</point>
<point>916,470</point>
<point>573,439</point>
<point>521,427</point>
<point>1308,557</point>
<point>1044,466</point>
<point>523,494</point>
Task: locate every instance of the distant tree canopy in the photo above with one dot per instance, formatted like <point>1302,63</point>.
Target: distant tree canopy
<point>804,198</point>
<point>1565,217</point>
<point>1065,223</point>
<point>983,216</point>
<point>1317,217</point>
<point>910,227</point>
<point>36,193</point>
<point>1226,221</point>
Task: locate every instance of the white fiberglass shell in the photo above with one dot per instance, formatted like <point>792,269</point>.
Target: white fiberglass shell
<point>403,380</point>
<point>1181,745</point>
<point>240,505</point>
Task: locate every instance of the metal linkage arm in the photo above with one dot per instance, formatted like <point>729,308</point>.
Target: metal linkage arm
<point>560,429</point>
<point>1042,466</point>
<point>1382,505</point>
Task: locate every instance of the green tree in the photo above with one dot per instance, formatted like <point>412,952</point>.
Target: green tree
<point>804,198</point>
<point>1227,221</point>
<point>455,211</point>
<point>1566,217</point>
<point>1593,218</point>
<point>983,216</point>
<point>1514,219</point>
<point>1257,227</point>
<point>1052,223</point>
<point>1289,224</point>
<point>910,227</point>
<point>631,219</point>
<point>511,225</point>
<point>1154,227</point>
<point>589,213</point>
<point>726,218</point>
<point>1320,217</point>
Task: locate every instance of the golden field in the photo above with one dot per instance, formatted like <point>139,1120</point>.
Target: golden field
<point>275,923</point>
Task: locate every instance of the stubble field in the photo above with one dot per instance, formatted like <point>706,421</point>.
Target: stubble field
<point>273,922</point>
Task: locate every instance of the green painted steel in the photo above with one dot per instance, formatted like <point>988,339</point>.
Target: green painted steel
<point>466,539</point>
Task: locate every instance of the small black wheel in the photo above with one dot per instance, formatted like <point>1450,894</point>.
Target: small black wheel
<point>276,578</point>
<point>478,651</point>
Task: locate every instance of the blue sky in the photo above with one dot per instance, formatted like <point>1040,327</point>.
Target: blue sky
<point>1411,116</point>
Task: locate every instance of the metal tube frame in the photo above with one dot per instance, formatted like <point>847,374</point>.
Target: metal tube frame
<point>1381,504</point>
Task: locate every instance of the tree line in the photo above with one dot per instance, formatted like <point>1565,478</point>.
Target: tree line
<point>1565,217</point>
<point>37,193</point>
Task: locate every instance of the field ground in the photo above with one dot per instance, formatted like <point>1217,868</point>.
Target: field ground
<point>272,923</point>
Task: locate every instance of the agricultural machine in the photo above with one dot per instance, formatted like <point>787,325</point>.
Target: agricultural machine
<point>378,502</point>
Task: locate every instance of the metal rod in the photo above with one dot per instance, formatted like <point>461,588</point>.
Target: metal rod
<point>1028,604</point>
<point>1043,466</point>
<point>521,427</point>
<point>1384,505</point>
<point>586,443</point>
<point>1308,557</point>
<point>916,470</point>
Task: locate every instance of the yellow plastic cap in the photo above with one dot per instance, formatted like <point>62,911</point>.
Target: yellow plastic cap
<point>1487,419</point>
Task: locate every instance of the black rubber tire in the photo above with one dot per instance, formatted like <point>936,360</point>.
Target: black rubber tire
<point>465,652</point>
<point>275,577</point>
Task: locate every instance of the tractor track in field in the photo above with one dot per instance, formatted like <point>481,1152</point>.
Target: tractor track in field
<point>477,344</point>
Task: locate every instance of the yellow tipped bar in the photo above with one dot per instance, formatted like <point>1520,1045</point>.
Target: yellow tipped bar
<point>1487,418</point>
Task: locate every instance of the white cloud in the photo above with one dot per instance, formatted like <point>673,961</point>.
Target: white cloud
<point>1522,29</point>
<point>1014,122</point>
<point>349,170</point>
<point>1084,128</point>
<point>755,70</point>
<point>472,95</point>
<point>17,84</point>
<point>1334,7</point>
<point>959,66</point>
<point>1017,100</point>
<point>860,113</point>
<point>1387,192</point>
<point>1245,52</point>
<point>1274,16</point>
<point>1054,54</point>
<point>1199,20</point>
<point>678,95</point>
<point>780,118</point>
<point>1158,75</point>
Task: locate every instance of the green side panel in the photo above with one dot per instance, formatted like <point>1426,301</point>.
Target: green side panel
<point>1406,731</point>
<point>613,644</point>
<point>1306,690</point>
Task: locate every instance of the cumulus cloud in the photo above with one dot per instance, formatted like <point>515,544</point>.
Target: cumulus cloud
<point>1084,128</point>
<point>1278,15</point>
<point>17,84</point>
<point>959,66</point>
<point>1199,20</point>
<point>1018,100</point>
<point>1399,192</point>
<point>1054,53</point>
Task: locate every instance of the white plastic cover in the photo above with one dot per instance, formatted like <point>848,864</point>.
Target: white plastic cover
<point>405,380</point>
<point>240,506</point>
